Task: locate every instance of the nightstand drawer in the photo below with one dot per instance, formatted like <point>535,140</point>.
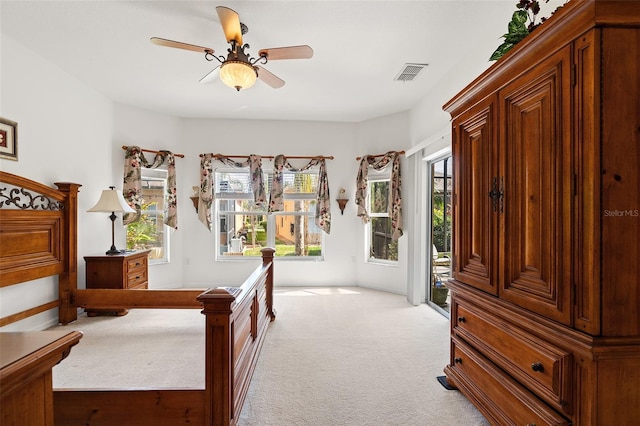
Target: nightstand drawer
<point>137,279</point>
<point>138,263</point>
<point>480,379</point>
<point>540,366</point>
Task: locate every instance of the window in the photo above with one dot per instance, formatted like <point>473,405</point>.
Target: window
<point>243,228</point>
<point>149,232</point>
<point>381,244</point>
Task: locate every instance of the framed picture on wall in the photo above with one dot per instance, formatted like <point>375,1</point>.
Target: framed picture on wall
<point>8,139</point>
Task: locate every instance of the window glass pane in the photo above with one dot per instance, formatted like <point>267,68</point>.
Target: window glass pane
<point>379,196</point>
<point>382,246</point>
<point>233,182</point>
<point>306,206</point>
<point>441,223</point>
<point>149,231</point>
<point>300,183</point>
<point>242,233</point>
<point>297,235</point>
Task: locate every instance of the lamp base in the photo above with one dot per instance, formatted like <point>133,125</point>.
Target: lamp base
<point>113,251</point>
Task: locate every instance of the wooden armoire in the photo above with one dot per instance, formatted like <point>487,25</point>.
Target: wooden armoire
<point>545,308</point>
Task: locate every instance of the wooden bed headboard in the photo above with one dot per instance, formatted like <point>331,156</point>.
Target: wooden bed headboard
<point>38,238</point>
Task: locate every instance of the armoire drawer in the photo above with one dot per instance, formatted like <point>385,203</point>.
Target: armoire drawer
<point>480,380</point>
<point>540,366</point>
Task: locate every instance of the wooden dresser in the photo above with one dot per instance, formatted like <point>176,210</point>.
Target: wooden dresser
<point>120,271</point>
<point>545,314</point>
<point>26,360</point>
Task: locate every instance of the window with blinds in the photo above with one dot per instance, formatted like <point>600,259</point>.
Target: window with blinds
<point>239,182</point>
<point>244,228</point>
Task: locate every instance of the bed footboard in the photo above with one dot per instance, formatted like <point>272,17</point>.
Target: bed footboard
<point>237,320</point>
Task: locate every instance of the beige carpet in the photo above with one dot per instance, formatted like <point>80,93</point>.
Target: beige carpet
<point>334,356</point>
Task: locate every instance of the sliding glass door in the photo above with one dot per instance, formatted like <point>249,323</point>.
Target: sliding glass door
<point>440,218</point>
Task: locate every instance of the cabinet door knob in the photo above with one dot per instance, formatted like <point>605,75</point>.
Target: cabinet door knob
<point>462,319</point>
<point>537,366</point>
<point>497,194</point>
<point>457,360</point>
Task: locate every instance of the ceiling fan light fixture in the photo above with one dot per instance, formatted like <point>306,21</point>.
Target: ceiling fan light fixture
<point>238,74</point>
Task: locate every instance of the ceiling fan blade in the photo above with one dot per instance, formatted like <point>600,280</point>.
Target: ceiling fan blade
<point>291,52</point>
<point>211,76</point>
<point>230,21</point>
<point>179,45</point>
<point>270,78</point>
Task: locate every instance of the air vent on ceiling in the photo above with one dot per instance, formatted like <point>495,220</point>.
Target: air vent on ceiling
<point>410,71</point>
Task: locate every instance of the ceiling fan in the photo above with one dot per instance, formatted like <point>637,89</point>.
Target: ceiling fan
<point>238,69</point>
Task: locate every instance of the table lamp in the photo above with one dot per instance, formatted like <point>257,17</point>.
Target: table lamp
<point>112,201</point>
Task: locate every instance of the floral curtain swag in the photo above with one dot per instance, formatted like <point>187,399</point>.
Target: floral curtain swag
<point>323,204</point>
<point>395,197</point>
<point>134,160</point>
<point>254,162</point>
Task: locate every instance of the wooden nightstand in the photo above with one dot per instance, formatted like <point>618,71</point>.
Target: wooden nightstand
<point>119,271</point>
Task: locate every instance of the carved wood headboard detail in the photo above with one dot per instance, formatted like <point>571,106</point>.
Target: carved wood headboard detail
<point>38,238</point>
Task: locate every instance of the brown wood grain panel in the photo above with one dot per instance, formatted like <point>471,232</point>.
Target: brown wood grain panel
<point>473,214</point>
<point>535,244</point>
<point>158,407</point>
<point>586,214</point>
<point>621,181</point>
<point>614,374</point>
<point>122,299</point>
<point>30,245</point>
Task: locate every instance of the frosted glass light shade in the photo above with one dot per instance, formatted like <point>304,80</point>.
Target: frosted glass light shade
<point>112,200</point>
<point>238,74</point>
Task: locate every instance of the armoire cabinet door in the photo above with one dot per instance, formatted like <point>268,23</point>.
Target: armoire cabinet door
<point>536,141</point>
<point>474,214</point>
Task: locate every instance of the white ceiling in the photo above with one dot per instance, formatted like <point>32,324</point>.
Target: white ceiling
<point>359,48</point>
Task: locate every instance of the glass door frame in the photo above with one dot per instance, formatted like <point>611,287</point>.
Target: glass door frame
<point>429,162</point>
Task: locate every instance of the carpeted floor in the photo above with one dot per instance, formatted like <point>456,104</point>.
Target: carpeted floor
<point>334,356</point>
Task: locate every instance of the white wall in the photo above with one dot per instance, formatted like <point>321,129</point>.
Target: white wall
<point>64,135</point>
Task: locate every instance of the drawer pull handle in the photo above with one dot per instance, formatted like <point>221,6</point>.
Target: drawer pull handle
<point>457,360</point>
<point>462,319</point>
<point>537,366</point>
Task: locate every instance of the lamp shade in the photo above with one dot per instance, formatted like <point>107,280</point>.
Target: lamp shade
<point>238,74</point>
<point>112,200</point>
